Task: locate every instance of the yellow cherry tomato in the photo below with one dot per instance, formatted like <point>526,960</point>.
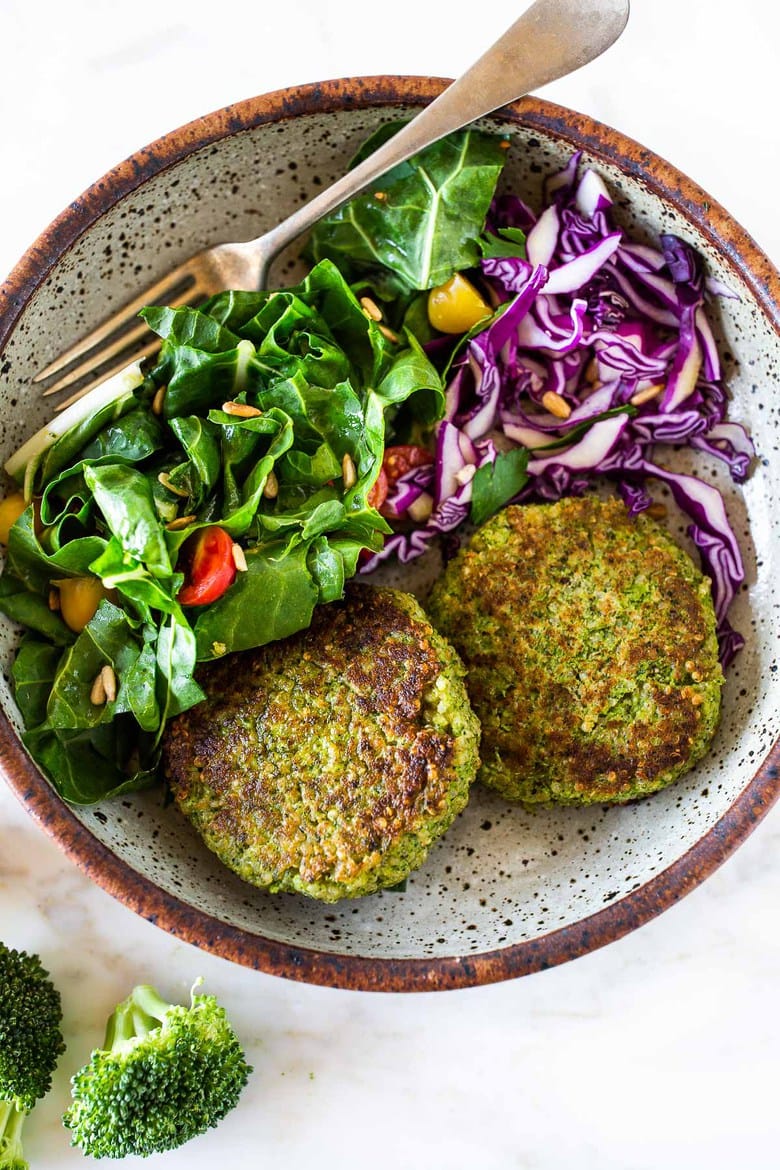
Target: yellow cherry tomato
<point>11,509</point>
<point>455,306</point>
<point>79,598</point>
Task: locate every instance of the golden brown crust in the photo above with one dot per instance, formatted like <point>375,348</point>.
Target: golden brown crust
<point>317,755</point>
<point>590,646</point>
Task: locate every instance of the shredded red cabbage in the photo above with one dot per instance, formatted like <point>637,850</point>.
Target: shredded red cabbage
<point>608,325</point>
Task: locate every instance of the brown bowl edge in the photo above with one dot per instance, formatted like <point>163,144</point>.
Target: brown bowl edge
<point>322,967</point>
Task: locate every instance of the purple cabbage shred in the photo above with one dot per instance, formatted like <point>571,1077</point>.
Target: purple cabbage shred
<point>617,331</point>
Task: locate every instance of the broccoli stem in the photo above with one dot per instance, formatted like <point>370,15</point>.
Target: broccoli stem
<point>142,1012</point>
<point>11,1122</point>
<point>148,1000</point>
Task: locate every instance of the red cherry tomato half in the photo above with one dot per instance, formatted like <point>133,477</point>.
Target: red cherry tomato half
<point>399,460</point>
<point>206,559</point>
<point>378,493</point>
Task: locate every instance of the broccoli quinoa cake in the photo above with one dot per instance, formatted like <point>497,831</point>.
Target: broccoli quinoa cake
<point>589,641</point>
<point>328,763</point>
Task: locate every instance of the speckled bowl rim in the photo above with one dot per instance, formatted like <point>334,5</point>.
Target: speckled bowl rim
<point>297,962</point>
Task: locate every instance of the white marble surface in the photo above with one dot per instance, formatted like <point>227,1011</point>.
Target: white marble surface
<point>657,1053</point>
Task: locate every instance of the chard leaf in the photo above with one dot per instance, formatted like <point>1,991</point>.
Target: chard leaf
<point>119,571</point>
<point>197,380</point>
<point>200,441</point>
<point>315,470</point>
<point>324,377</point>
<point>274,598</point>
<point>32,675</point>
<point>326,565</point>
<point>124,496</point>
<point>238,521</point>
<point>69,447</point>
<point>78,766</point>
<point>140,688</point>
<point>319,330</point>
<point>28,561</point>
<point>415,319</point>
<point>189,327</point>
<point>177,690</point>
<point>413,379</point>
<point>66,495</point>
<point>32,610</point>
<point>107,639</point>
<point>326,516</point>
<point>248,457</point>
<point>337,416</point>
<point>234,308</point>
<point>131,438</point>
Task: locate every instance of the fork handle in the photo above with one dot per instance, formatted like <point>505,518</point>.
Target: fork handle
<point>552,38</point>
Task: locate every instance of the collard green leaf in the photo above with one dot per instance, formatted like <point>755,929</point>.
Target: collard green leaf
<point>432,211</point>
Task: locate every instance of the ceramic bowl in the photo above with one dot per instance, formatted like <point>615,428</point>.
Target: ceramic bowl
<point>506,892</point>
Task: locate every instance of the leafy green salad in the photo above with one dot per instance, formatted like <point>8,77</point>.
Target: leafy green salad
<point>213,500</point>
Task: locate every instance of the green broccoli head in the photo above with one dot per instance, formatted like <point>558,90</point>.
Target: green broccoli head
<point>11,1122</point>
<point>30,1037</point>
<point>165,1074</point>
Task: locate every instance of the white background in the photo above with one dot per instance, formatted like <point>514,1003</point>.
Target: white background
<point>659,1052</point>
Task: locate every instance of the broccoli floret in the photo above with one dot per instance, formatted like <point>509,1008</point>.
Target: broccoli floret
<point>165,1074</point>
<point>30,1044</point>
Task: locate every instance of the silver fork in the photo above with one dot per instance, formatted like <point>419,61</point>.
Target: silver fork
<point>552,38</point>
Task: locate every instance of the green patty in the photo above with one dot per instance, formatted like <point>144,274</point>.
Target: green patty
<point>589,640</point>
<point>328,763</point>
